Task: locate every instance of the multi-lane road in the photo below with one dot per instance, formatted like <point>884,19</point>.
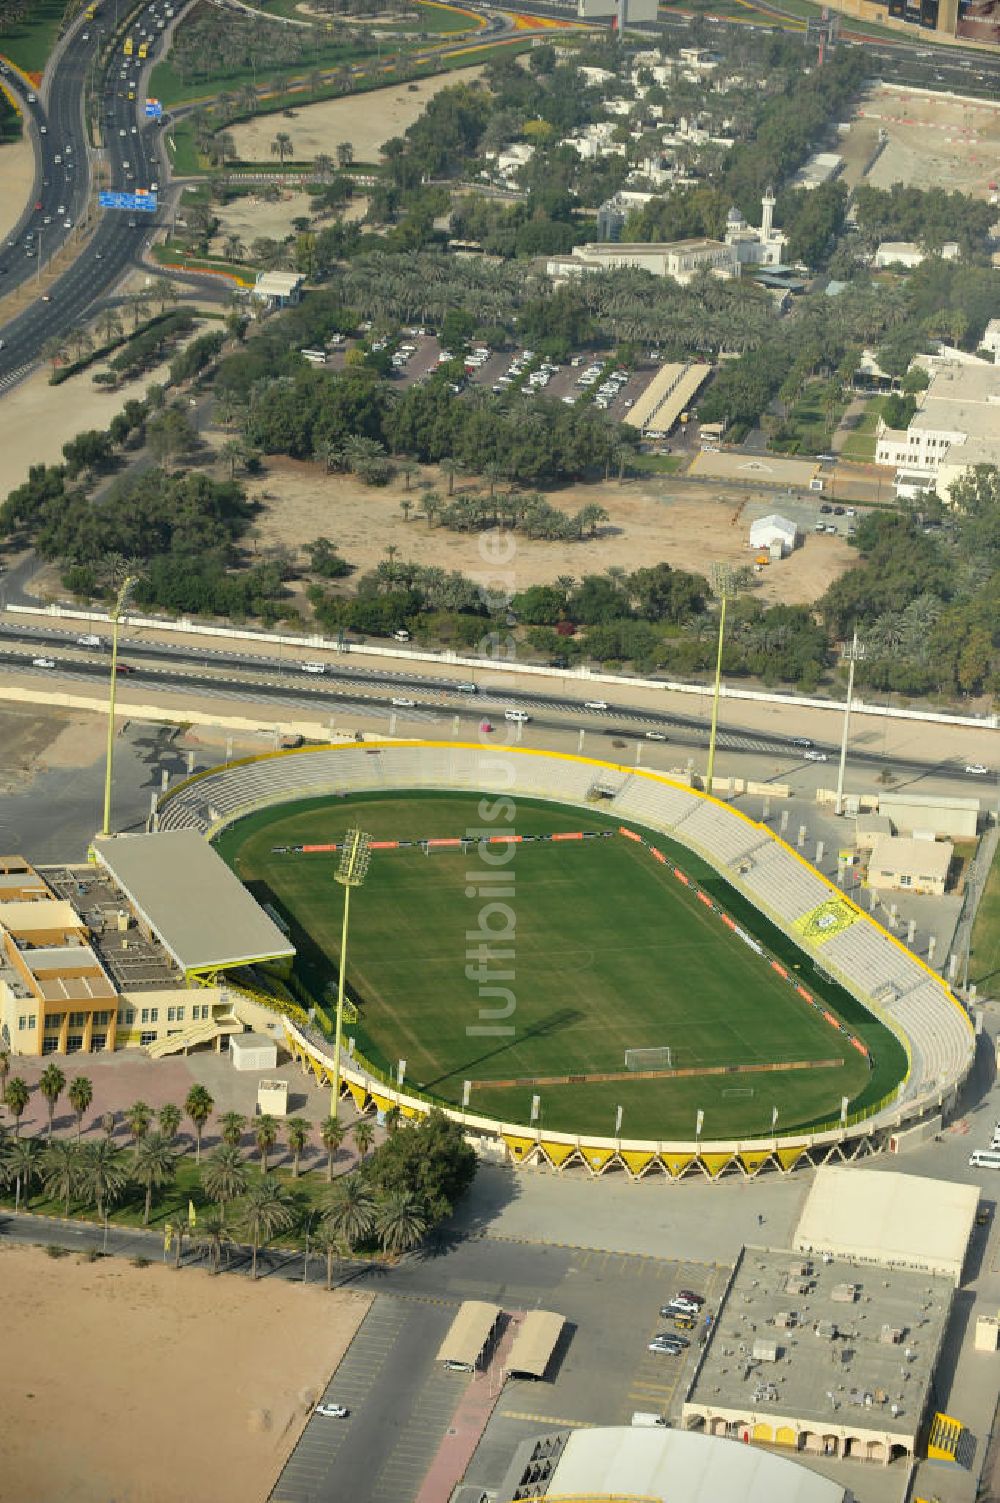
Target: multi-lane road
<point>68,168</point>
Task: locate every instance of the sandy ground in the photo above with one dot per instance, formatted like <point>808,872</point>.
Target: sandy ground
<point>681,525</point>
<point>167,1386</point>
<point>935,140</point>
<point>255,218</point>
<point>17,177</point>
<point>366,120</point>
<point>771,469</point>
<point>38,418</point>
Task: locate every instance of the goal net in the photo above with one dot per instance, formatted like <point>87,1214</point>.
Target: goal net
<point>659,1058</point>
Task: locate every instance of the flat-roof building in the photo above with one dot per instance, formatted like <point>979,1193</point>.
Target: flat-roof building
<point>900,863</point>
<point>680,259</point>
<point>956,425</point>
<point>822,1355</point>
<point>891,1220</point>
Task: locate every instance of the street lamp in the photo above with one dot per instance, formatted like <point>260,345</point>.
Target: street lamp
<point>724,583</point>
<point>117,611</point>
<point>351,872</point>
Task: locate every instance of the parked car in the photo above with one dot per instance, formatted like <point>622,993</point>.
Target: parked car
<point>977,769</point>
<point>88,639</point>
<point>43,662</point>
<point>402,703</point>
<point>313,667</point>
<point>655,736</point>
<point>595,704</point>
<point>333,1411</point>
<point>812,755</point>
<point>485,725</point>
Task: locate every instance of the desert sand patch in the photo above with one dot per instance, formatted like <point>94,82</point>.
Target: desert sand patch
<point>366,120</point>
<point>157,1386</point>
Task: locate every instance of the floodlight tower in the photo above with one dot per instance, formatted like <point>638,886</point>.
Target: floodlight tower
<point>125,588</point>
<point>852,654</point>
<point>725,582</point>
<point>351,872</point>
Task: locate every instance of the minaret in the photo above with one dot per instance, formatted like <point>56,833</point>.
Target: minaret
<point>767,218</point>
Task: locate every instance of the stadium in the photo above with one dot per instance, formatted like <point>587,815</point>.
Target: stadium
<point>588,965</point>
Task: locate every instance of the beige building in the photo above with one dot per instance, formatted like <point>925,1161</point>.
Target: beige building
<point>900,863</point>
<point>956,425</point>
<point>911,812</point>
<point>680,259</point>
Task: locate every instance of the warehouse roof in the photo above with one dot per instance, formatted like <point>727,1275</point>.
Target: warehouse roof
<point>895,1220</point>
<point>682,1467</point>
<point>199,911</point>
<point>534,1343</point>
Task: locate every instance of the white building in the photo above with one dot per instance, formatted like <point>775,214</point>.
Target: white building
<point>956,425</point>
<point>763,247</point>
<point>822,167</point>
<point>991,339</point>
<point>774,531</point>
<point>512,157</point>
<point>680,259</point>
<point>907,253</point>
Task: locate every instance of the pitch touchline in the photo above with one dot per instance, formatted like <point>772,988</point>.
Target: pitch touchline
<point>769,1068</point>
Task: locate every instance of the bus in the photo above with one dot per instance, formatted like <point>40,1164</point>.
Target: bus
<point>315,357</point>
<point>91,12</point>
<point>985,1158</point>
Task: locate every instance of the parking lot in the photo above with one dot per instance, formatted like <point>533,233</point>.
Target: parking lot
<point>402,1403</point>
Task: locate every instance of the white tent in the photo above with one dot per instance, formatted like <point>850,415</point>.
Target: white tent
<point>767,531</point>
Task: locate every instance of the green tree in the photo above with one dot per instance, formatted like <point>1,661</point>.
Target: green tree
<point>350,1212</point>
<point>281,146</point>
<point>332,1133</point>
<point>431,1160</point>
<point>198,1107</point>
<point>103,1175</point>
<point>51,1083</point>
<point>328,1244</point>
<point>364,1135</point>
<point>267,1211</point>
<point>61,1171</point>
<point>169,1119</point>
<point>23,1164</point>
<point>401,1222</point>
<point>81,1094</point>
<point>16,1097</point>
<point>265,1135</point>
<point>297,1131</point>
<point>153,1166</point>
<point>224,1176</point>
<point>231,1126</point>
<point>137,1119</point>
<point>213,1238</point>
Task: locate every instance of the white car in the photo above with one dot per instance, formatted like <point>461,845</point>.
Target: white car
<point>655,736</point>
<point>88,639</point>
<point>403,704</point>
<point>43,662</point>
<point>595,704</point>
<point>977,770</point>
<point>333,1411</point>
<point>313,667</point>
<point>812,755</point>
<point>520,716</point>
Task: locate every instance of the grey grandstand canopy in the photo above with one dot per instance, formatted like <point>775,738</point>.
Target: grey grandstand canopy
<point>678,1466</point>
<point>470,1331</point>
<point>185,894</point>
<point>534,1343</point>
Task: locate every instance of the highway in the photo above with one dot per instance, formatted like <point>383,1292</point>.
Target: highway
<point>128,160</point>
<point>421,700</point>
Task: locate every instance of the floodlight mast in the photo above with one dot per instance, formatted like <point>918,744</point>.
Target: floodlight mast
<point>725,582</point>
<point>117,611</point>
<point>351,872</point>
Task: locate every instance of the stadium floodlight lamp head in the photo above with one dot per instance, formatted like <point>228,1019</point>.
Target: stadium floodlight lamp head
<point>352,869</point>
<point>356,853</point>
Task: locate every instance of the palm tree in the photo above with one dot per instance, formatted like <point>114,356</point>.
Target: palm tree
<point>364,1135</point>
<point>345,154</point>
<point>51,1083</point>
<point>212,1237</point>
<point>137,1119</point>
<point>81,1094</point>
<point>265,1135</point>
<point>4,1070</point>
<point>432,505</point>
<point>408,468</point>
<point>450,467</point>
<point>61,1166</point>
<point>350,1212</point>
<point>16,1097</point>
<point>332,1133</point>
<point>103,1174</point>
<point>23,1164</point>
<point>224,1177</point>
<point>266,1213</point>
<point>297,1131</point>
<point>234,452</point>
<point>169,1118</point>
<point>327,1243</point>
<point>233,248</point>
<point>323,165</point>
<point>401,1222</point>
<point>108,1124</point>
<point>406,506</point>
<point>153,1165</point>
<point>231,1125</point>
<point>198,1106</point>
<point>281,146</point>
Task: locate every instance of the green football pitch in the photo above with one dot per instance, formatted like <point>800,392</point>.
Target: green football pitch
<point>603,950</point>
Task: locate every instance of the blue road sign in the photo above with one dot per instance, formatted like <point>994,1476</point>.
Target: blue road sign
<point>142,202</point>
<point>153,109</point>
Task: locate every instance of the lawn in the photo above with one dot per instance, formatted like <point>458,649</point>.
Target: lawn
<point>811,420</point>
<point>860,443</point>
<point>984,966</point>
<point>609,952</point>
<point>29,42</point>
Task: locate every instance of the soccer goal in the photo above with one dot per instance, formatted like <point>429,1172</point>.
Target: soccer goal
<point>660,1058</point>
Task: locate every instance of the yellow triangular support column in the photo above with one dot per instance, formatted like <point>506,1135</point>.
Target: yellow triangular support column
<point>597,1159</point>
<point>789,1157</point>
<point>558,1153</point>
<point>676,1163</point>
<point>715,1163</point>
<point>358,1095</point>
<point>636,1161</point>
<point>520,1148</point>
<point>754,1161</point>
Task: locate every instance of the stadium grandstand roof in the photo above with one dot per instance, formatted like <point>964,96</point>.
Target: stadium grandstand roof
<point>892,1220</point>
<point>534,1343</point>
<point>185,893</point>
<point>682,1467</point>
